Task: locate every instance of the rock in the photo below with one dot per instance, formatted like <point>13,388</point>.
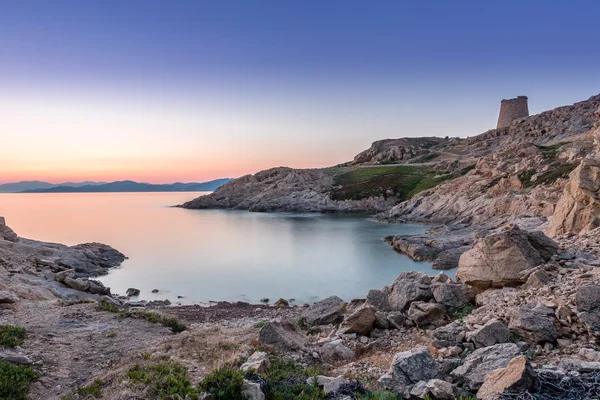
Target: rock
<point>440,278</point>
<point>111,300</point>
<point>381,320</point>
<point>264,300</point>
<point>419,391</point>
<point>6,233</point>
<point>8,297</point>
<point>448,335</point>
<point>587,299</point>
<point>284,335</point>
<point>534,324</point>
<point>15,358</point>
<point>448,259</point>
<point>396,319</point>
<point>329,384</point>
<point>578,210</point>
<point>378,299</point>
<point>258,361</point>
<point>335,352</point>
<point>440,389</point>
<point>454,295</point>
<point>96,287</point>
<point>482,361</point>
<point>362,321</point>
<point>410,367</point>
<point>538,279</point>
<point>517,376</point>
<point>155,290</point>
<point>327,311</point>
<point>281,303</point>
<point>427,314</point>
<point>62,275</point>
<point>500,259</point>
<point>252,390</point>
<point>77,284</point>
<point>590,354</point>
<point>131,292</point>
<point>407,288</point>
<point>493,332</point>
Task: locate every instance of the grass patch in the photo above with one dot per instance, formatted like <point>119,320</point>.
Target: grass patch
<point>458,313</point>
<point>168,380</point>
<point>157,318</point>
<point>224,384</point>
<point>379,395</point>
<point>548,177</point>
<point>15,381</point>
<point>550,152</point>
<point>287,380</point>
<point>259,324</point>
<point>11,336</point>
<point>94,389</point>
<point>400,181</point>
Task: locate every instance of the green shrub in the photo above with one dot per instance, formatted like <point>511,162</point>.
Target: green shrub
<point>287,381</point>
<point>224,384</point>
<point>15,381</point>
<point>11,336</point>
<point>458,313</point>
<point>157,318</point>
<point>167,379</point>
<point>379,395</point>
<point>259,324</point>
<point>93,389</point>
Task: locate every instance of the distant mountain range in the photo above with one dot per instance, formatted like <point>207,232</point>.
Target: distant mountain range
<point>103,187</point>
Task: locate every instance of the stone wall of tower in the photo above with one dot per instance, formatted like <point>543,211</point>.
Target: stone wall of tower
<point>512,109</point>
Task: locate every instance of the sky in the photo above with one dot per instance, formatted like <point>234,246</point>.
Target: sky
<point>165,91</point>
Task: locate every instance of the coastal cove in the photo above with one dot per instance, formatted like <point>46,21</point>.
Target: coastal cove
<point>218,255</point>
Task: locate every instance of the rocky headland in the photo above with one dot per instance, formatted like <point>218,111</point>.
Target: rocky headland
<point>515,209</point>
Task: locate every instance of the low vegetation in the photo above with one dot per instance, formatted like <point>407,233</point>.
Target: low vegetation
<point>15,381</point>
<point>548,177</point>
<point>157,318</point>
<point>400,181</point>
<point>94,389</point>
<point>458,313</point>
<point>224,384</point>
<point>11,336</point>
<point>168,380</point>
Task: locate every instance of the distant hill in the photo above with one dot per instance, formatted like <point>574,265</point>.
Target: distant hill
<point>119,186</point>
<point>16,187</point>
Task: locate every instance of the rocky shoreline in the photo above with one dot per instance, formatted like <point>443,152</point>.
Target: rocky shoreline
<point>521,320</point>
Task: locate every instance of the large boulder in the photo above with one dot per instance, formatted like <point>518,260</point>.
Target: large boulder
<point>517,376</point>
<point>335,352</point>
<point>284,335</point>
<point>493,332</point>
<point>587,299</point>
<point>578,210</point>
<point>482,361</point>
<point>258,362</point>
<point>427,314</point>
<point>6,233</point>
<point>534,323</point>
<point>409,367</point>
<point>449,335</point>
<point>453,295</point>
<point>326,311</point>
<point>362,321</point>
<point>501,259</point>
<point>408,287</point>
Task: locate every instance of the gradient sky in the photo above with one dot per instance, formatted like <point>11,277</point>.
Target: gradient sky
<point>163,91</point>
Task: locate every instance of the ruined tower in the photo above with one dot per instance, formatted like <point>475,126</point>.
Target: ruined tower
<point>512,109</point>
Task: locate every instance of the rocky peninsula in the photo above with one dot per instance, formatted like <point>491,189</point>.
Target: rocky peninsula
<point>518,213</point>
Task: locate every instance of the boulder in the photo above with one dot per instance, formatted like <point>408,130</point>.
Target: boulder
<point>501,259</point>
<point>534,323</point>
<point>587,299</point>
<point>454,295</point>
<point>131,292</point>
<point>449,335</point>
<point>281,303</point>
<point>410,367</point>
<point>252,390</point>
<point>407,288</point>
<point>427,314</point>
<point>77,284</point>
<point>578,210</point>
<point>258,361</point>
<point>362,321</point>
<point>538,279</point>
<point>329,384</point>
<point>378,299</point>
<point>448,259</point>
<point>441,278</point>
<point>327,311</point>
<point>493,332</point>
<point>440,389</point>
<point>482,361</point>
<point>62,275</point>
<point>396,319</point>
<point>6,233</point>
<point>517,376</point>
<point>15,358</point>
<point>335,352</point>
<point>8,297</point>
<point>284,335</point>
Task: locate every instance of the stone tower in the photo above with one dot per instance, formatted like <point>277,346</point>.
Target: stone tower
<point>512,109</point>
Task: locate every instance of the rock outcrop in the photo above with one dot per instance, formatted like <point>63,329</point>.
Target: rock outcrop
<point>6,233</point>
<point>501,259</point>
<point>517,376</point>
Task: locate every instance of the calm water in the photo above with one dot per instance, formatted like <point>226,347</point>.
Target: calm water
<point>215,255</point>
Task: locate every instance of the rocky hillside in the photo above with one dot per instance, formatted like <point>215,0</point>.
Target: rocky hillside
<point>514,171</point>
